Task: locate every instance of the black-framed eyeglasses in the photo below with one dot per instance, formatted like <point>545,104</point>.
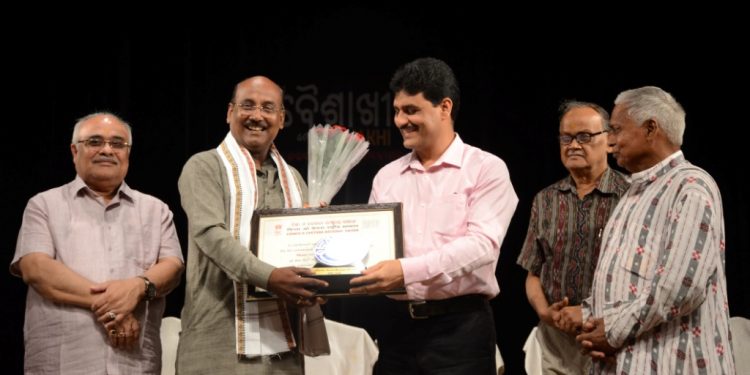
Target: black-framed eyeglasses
<point>266,109</point>
<point>581,138</point>
<point>99,142</point>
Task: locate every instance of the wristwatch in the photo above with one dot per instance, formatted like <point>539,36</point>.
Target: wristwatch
<point>150,288</point>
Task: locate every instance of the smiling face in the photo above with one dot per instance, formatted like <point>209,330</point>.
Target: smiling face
<point>426,128</point>
<point>588,157</point>
<point>256,114</point>
<point>102,168</point>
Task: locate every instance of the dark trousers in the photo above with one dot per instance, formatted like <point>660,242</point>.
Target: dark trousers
<point>455,343</point>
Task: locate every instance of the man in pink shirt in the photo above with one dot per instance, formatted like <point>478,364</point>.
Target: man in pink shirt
<point>99,258</point>
<point>457,203</point>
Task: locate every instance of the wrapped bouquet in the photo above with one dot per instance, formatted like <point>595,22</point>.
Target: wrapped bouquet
<point>332,151</point>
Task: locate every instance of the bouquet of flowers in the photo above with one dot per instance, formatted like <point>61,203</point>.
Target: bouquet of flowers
<point>332,151</point>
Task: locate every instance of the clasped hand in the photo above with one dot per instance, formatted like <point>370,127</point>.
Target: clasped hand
<point>594,342</point>
<point>563,317</point>
<point>113,307</point>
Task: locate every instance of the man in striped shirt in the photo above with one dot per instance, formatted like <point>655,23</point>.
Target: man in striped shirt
<point>659,300</point>
<point>562,242</point>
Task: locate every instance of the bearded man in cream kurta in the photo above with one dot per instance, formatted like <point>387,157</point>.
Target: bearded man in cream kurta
<point>220,188</point>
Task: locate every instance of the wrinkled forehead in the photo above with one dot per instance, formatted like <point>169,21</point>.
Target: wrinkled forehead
<point>258,91</point>
<point>581,119</point>
<point>620,115</point>
<point>104,126</point>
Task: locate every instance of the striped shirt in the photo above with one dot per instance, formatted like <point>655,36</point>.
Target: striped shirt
<point>660,284</point>
<point>562,242</point>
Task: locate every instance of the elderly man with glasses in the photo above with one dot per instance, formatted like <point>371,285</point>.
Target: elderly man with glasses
<point>562,242</point>
<point>99,258</point>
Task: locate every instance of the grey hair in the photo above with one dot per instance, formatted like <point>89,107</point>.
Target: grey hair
<point>570,105</point>
<point>77,127</point>
<point>652,102</point>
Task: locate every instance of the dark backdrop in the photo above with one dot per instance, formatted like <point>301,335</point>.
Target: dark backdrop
<point>172,83</point>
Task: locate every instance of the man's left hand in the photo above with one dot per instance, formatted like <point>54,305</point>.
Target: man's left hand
<point>293,285</point>
<point>384,276</point>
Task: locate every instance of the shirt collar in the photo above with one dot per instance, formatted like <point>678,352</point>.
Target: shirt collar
<point>453,156</point>
<point>659,169</point>
<point>78,186</point>
<point>608,184</point>
<point>613,182</point>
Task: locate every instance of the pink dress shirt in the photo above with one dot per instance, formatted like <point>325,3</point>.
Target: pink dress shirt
<point>456,214</point>
<point>101,242</point>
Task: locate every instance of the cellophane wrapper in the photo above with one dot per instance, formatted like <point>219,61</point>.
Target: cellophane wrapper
<point>332,151</point>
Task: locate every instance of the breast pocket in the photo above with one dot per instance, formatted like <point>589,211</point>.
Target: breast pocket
<point>136,240</point>
<point>448,215</point>
<point>639,262</point>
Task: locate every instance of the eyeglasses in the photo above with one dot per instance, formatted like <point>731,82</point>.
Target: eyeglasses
<point>266,109</point>
<point>581,138</point>
<point>99,142</point>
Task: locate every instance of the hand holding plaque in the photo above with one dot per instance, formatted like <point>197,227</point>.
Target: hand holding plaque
<point>337,243</point>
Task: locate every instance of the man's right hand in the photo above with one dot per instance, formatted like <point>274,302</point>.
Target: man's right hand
<point>594,342</point>
<point>124,335</point>
<point>290,284</point>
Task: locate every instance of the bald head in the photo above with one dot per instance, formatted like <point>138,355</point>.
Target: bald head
<point>258,82</point>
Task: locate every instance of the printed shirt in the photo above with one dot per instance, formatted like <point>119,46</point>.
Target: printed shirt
<point>564,235</point>
<point>99,241</point>
<point>455,216</point>
<point>660,284</point>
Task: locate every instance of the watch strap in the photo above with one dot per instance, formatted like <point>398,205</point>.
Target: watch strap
<point>150,288</point>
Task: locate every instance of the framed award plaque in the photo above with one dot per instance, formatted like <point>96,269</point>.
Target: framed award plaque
<point>336,242</point>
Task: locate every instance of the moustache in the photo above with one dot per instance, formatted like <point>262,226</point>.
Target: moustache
<point>255,124</point>
<point>104,159</point>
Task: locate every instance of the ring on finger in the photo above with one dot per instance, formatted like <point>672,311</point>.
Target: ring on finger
<point>111,316</point>
<point>112,332</point>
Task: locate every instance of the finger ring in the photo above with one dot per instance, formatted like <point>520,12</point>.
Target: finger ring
<point>112,332</point>
<point>111,315</point>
